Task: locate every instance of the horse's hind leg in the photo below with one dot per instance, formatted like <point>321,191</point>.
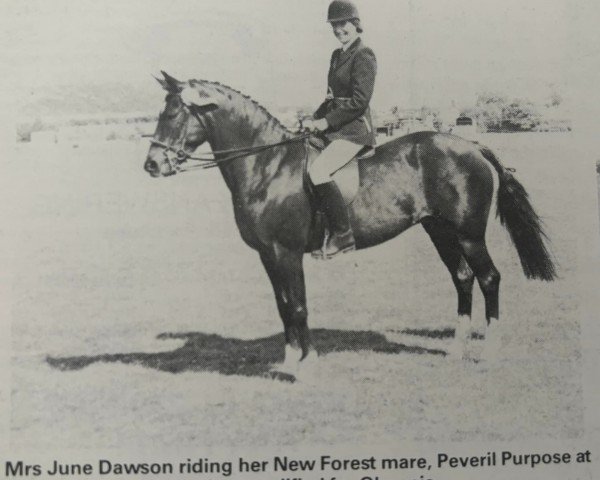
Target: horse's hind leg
<point>488,277</point>
<point>446,242</point>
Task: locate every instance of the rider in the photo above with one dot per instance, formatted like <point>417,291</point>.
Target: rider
<point>345,118</point>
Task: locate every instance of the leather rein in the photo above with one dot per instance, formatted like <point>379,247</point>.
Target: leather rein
<point>208,159</point>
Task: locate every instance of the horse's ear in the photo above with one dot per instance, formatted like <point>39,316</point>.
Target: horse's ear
<point>162,82</point>
<point>171,84</point>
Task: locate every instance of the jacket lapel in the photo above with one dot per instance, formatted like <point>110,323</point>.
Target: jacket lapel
<point>343,57</point>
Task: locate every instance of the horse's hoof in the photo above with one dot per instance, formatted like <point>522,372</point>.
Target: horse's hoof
<point>492,344</point>
<point>291,360</point>
<point>462,333</point>
<point>308,368</point>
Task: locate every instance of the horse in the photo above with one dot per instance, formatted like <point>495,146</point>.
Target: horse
<point>443,182</point>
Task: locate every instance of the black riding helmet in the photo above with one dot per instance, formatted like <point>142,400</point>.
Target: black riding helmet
<point>340,10</point>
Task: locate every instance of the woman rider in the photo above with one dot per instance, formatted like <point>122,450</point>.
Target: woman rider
<point>345,119</point>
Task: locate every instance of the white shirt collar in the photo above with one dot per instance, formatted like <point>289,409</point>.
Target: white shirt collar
<point>348,45</point>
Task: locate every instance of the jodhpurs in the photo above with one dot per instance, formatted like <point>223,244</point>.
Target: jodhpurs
<point>337,154</point>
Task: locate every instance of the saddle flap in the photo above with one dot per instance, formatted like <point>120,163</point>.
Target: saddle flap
<point>347,180</point>
<point>347,177</point>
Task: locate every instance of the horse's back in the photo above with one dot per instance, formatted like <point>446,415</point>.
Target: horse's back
<point>445,142</point>
<point>418,175</point>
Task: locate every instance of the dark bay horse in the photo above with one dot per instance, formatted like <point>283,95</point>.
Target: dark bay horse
<point>441,181</point>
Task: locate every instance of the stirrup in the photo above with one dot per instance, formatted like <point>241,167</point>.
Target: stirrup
<point>318,254</point>
<point>321,255</point>
<point>347,244</point>
<point>329,256</point>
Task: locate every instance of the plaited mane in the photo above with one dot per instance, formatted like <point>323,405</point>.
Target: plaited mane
<point>245,97</point>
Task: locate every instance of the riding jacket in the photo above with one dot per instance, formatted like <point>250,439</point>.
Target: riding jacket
<point>351,81</point>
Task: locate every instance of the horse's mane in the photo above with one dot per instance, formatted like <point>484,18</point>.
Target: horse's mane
<point>219,86</point>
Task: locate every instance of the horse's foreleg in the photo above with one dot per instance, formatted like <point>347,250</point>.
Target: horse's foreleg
<point>445,239</point>
<point>286,273</point>
<point>268,261</point>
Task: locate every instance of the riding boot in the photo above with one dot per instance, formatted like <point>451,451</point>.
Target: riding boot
<point>341,238</point>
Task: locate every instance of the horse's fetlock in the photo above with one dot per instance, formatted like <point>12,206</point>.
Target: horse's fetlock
<point>298,315</point>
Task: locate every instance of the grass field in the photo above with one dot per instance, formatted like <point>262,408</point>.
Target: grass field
<point>129,295</point>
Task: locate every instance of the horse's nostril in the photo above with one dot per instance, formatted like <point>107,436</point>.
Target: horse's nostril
<point>151,166</point>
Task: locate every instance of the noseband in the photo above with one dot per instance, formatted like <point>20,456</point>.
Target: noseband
<point>181,155</point>
<point>174,161</point>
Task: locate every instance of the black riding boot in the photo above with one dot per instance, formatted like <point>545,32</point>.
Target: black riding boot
<point>341,238</point>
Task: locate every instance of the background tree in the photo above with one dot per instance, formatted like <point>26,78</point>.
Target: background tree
<point>496,113</point>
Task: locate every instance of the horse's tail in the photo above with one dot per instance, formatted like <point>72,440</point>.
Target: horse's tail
<point>522,222</point>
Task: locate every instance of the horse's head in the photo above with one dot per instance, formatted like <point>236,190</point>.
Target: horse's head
<point>181,128</point>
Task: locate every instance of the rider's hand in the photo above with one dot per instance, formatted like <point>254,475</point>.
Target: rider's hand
<point>308,124</point>
<point>321,124</point>
<point>315,125</point>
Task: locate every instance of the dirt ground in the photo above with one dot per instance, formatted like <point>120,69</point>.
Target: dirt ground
<point>140,316</point>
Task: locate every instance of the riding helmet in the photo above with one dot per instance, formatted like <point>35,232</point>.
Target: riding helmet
<point>340,10</point>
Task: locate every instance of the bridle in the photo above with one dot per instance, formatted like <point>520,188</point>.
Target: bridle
<point>180,156</point>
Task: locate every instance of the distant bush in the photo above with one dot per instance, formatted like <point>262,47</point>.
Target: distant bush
<point>112,120</point>
<point>24,130</point>
<point>498,114</point>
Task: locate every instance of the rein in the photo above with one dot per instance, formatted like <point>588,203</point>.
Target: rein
<point>208,160</point>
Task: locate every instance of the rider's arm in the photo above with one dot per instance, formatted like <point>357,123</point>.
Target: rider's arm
<point>324,107</point>
<point>322,110</point>
<point>364,71</point>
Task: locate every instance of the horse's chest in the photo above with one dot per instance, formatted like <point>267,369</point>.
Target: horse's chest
<point>254,221</point>
<point>282,217</point>
<point>245,227</point>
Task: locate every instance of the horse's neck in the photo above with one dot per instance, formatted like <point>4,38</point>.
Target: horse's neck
<point>233,130</point>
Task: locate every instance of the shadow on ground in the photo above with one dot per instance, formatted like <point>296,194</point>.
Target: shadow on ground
<point>442,334</point>
<point>232,356</point>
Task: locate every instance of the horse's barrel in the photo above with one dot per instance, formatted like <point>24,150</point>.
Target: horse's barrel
<point>340,10</point>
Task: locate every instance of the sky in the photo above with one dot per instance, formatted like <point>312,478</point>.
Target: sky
<point>430,52</point>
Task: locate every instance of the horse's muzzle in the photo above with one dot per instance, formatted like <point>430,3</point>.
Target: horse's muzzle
<point>156,170</point>
<point>152,168</point>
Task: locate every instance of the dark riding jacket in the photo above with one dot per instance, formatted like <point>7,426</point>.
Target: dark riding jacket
<point>351,81</point>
